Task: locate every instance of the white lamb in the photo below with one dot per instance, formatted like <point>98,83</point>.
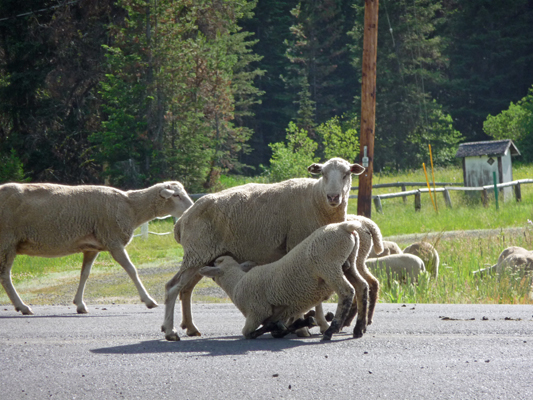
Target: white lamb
<point>389,248</point>
<point>259,223</point>
<point>48,220</point>
<point>428,254</point>
<point>401,267</point>
<point>370,240</point>
<point>309,274</point>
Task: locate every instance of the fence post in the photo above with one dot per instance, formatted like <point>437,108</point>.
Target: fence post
<point>485,197</point>
<point>377,204</point>
<point>447,198</point>
<point>403,190</point>
<point>418,202</point>
<point>144,231</point>
<point>518,192</point>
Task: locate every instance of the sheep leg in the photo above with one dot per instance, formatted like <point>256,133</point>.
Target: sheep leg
<point>88,260</point>
<point>361,294</point>
<point>346,293</point>
<point>307,322</point>
<point>320,318</point>
<point>268,327</point>
<point>172,290</point>
<point>6,263</point>
<point>186,312</point>
<point>120,256</point>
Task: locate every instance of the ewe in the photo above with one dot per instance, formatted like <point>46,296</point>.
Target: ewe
<point>389,248</point>
<point>428,254</point>
<point>47,220</point>
<point>401,267</point>
<point>515,259</point>
<point>259,223</point>
<point>303,278</point>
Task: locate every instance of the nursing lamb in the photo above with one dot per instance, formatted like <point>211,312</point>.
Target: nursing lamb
<point>48,220</point>
<point>259,223</point>
<point>307,275</point>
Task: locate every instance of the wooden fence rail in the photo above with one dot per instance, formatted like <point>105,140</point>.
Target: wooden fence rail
<point>404,193</point>
<point>485,190</point>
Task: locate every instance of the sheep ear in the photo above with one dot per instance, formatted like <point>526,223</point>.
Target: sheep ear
<point>315,169</point>
<point>247,266</point>
<point>210,272</point>
<point>166,193</point>
<point>357,169</point>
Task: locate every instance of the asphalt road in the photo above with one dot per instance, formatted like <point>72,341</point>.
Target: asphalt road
<point>410,352</point>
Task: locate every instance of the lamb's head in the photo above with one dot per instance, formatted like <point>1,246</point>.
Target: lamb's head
<point>176,199</point>
<point>226,272</point>
<point>336,179</point>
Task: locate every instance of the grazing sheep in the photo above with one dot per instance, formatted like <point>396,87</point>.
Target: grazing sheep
<point>303,278</point>
<point>514,258</point>
<point>48,220</point>
<point>401,267</point>
<point>428,254</point>
<point>370,240</point>
<point>259,223</point>
<point>389,248</point>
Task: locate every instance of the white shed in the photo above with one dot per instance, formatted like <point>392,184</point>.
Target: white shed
<point>482,159</point>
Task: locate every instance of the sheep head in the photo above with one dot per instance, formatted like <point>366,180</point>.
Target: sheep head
<point>178,201</point>
<point>336,179</point>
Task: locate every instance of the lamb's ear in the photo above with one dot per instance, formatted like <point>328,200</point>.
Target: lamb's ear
<point>315,168</point>
<point>357,169</point>
<point>166,193</point>
<point>247,266</point>
<point>210,272</point>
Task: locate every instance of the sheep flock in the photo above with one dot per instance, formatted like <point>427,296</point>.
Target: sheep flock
<point>278,250</point>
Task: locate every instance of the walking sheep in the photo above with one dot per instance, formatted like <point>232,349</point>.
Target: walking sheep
<point>259,223</point>
<point>303,278</point>
<point>428,254</point>
<point>48,220</point>
<point>401,267</point>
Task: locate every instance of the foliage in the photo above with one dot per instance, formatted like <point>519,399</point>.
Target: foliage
<point>291,159</point>
<point>11,169</point>
<point>490,60</point>
<point>515,123</point>
<point>339,138</point>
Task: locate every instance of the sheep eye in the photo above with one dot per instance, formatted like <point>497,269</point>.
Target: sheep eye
<point>177,195</point>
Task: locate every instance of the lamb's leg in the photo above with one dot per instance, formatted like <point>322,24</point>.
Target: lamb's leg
<point>186,312</point>
<point>6,263</point>
<point>172,290</point>
<point>120,256</point>
<point>361,294</point>
<point>88,260</point>
<point>306,322</point>
<point>321,318</point>
<point>346,293</point>
<point>373,293</point>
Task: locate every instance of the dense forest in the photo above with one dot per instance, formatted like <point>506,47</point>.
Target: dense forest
<point>131,92</point>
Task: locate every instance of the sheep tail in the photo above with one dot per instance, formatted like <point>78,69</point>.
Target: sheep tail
<point>377,238</point>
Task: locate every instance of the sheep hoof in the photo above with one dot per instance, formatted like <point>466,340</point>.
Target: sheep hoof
<point>195,332</point>
<point>151,304</point>
<point>172,336</point>
<point>325,337</point>
<point>357,333</point>
<point>82,310</point>
<point>303,332</point>
<point>25,310</point>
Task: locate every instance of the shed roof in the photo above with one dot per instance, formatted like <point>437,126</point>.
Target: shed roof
<point>488,148</point>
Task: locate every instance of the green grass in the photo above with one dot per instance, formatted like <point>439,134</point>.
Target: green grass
<point>51,281</point>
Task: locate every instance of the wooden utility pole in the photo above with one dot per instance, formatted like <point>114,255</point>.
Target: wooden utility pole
<point>368,107</point>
